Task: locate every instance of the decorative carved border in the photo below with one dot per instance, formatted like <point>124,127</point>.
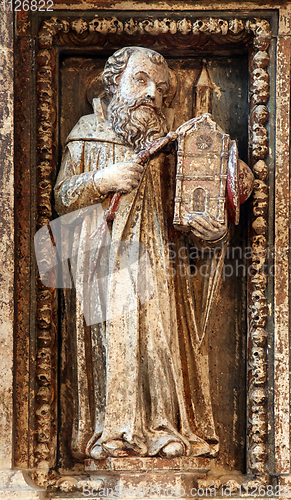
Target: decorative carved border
<point>257,335</point>
<point>46,318</point>
<point>97,31</point>
<point>82,28</point>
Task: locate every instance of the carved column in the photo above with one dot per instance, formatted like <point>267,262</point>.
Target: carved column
<point>46,348</point>
<point>7,241</point>
<point>12,482</point>
<point>257,341</point>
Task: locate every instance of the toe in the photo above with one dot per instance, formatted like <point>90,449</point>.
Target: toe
<point>173,449</point>
<point>98,453</point>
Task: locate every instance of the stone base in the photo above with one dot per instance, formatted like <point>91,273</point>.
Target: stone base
<point>14,484</point>
<point>184,464</point>
<point>156,477</point>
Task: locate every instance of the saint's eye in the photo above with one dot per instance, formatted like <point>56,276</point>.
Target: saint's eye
<point>160,90</point>
<point>140,80</point>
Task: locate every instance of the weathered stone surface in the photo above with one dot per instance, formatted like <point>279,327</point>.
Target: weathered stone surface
<point>6,238</point>
<point>12,482</point>
<point>282,261</point>
<point>261,311</point>
<point>194,464</point>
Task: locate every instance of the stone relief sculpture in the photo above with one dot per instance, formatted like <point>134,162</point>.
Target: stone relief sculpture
<point>141,376</point>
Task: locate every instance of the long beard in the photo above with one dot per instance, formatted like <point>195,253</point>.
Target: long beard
<point>136,126</point>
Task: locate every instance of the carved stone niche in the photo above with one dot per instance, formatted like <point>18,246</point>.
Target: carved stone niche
<point>69,57</point>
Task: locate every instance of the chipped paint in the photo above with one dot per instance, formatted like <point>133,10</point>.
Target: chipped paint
<point>217,90</point>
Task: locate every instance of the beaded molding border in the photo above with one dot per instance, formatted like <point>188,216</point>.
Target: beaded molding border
<point>257,335</point>
<point>54,32</point>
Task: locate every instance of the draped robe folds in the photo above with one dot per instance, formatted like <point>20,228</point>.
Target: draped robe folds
<point>139,373</point>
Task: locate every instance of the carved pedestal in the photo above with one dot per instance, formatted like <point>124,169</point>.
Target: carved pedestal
<point>155,476</point>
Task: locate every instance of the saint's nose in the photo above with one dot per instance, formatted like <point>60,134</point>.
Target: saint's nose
<point>151,91</point>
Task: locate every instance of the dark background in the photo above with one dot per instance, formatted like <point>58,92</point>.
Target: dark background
<point>227,332</point>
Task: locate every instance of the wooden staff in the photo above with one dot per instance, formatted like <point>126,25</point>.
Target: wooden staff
<point>109,215</point>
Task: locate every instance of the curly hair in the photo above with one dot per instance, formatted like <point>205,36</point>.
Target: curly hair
<point>117,63</point>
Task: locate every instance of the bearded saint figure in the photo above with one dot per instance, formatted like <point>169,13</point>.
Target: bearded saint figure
<point>141,382</point>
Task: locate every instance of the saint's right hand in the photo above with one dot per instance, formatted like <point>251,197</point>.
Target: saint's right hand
<point>121,177</point>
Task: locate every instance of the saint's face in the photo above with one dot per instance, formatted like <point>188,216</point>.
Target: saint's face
<point>143,78</point>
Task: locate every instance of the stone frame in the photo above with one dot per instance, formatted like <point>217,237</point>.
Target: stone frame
<point>78,31</point>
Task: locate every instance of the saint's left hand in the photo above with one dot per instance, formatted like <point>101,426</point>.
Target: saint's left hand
<point>207,227</point>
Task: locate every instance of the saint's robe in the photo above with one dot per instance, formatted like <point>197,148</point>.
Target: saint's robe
<point>140,374</point>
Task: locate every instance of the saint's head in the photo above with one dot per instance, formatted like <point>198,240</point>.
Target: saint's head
<point>137,80</point>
